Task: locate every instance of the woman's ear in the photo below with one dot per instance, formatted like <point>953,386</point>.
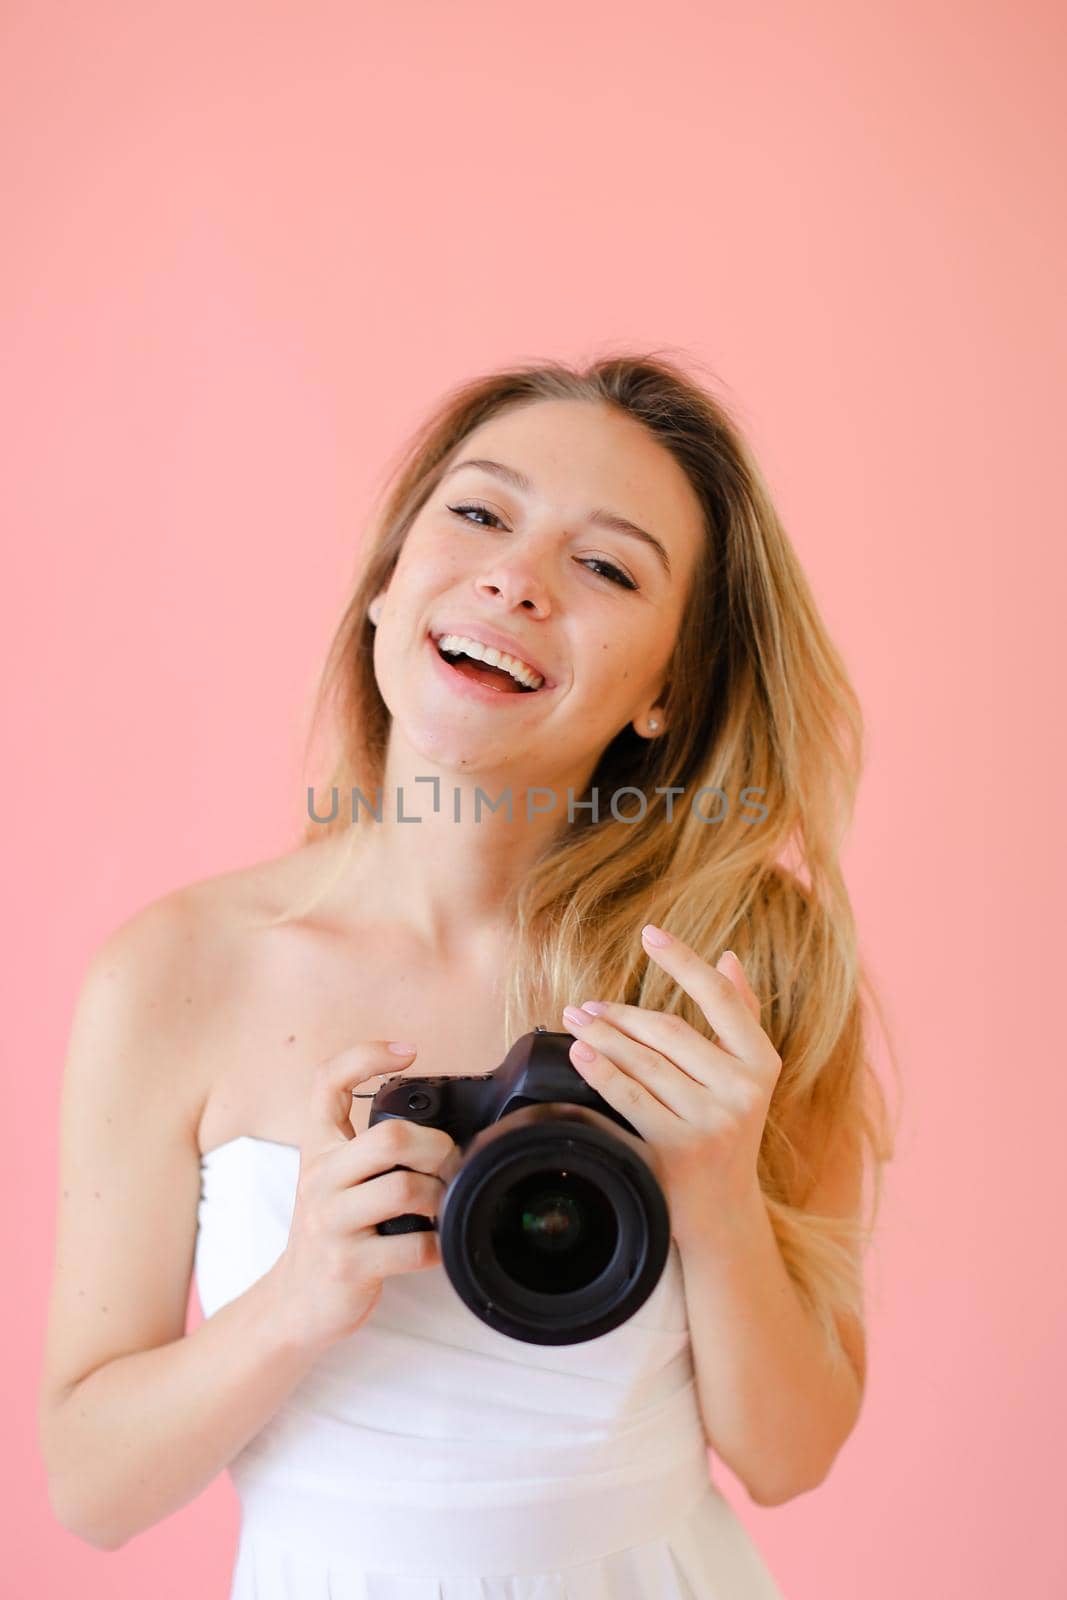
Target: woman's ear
<point>652,724</point>
<point>654,721</point>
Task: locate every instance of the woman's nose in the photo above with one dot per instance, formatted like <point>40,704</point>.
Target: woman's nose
<point>518,583</point>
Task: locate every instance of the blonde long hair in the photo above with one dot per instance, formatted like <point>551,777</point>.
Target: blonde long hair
<point>759,697</point>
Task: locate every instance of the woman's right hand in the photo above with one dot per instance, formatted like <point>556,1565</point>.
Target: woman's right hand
<point>329,1277</point>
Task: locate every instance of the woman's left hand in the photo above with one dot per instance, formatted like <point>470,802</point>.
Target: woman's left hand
<point>702,1106</point>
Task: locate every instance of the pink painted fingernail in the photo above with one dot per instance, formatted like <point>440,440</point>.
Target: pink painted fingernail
<point>597,1007</point>
<point>403,1049</point>
<point>654,935</point>
<point>584,1052</point>
<point>573,1015</point>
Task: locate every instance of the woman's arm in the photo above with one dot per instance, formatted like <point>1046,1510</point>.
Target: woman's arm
<point>776,1410</point>
<point>142,1435</point>
<point>135,1416</point>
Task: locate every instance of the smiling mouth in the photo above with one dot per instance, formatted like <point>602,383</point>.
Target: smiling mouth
<point>497,678</point>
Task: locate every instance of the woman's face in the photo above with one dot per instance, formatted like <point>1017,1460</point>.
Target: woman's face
<point>593,607</point>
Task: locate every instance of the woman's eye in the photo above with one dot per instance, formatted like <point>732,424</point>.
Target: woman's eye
<point>614,573</point>
<point>608,569</point>
<point>461,511</point>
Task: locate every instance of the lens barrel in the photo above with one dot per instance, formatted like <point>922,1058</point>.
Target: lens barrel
<point>554,1229</point>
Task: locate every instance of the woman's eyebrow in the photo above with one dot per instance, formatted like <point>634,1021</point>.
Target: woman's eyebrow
<point>604,519</point>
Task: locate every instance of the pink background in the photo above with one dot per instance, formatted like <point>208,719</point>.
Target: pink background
<point>246,247</point>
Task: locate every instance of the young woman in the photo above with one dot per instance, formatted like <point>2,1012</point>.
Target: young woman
<point>681,747</point>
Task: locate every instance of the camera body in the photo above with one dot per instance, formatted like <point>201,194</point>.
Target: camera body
<point>553,1226</point>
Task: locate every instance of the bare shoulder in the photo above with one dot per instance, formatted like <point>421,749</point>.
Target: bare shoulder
<point>137,1069</point>
<point>133,1049</point>
<point>128,1019</point>
<point>252,898</point>
<point>152,990</point>
<point>147,986</point>
<point>186,951</point>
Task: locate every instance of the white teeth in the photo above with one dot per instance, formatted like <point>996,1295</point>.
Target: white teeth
<point>459,644</point>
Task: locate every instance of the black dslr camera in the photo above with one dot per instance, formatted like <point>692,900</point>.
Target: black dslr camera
<point>553,1226</point>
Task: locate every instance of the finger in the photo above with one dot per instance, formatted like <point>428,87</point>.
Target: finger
<point>719,999</point>
<point>651,1118</point>
<point>730,965</point>
<point>386,1254</point>
<point>329,1111</point>
<point>666,1032</point>
<point>392,1194</point>
<point>394,1142</point>
<point>661,1072</point>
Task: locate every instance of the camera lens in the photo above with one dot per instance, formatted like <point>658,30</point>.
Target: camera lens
<point>553,1231</point>
<point>554,1228</point>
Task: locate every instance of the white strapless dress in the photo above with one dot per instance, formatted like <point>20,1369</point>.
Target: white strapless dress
<point>429,1457</point>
